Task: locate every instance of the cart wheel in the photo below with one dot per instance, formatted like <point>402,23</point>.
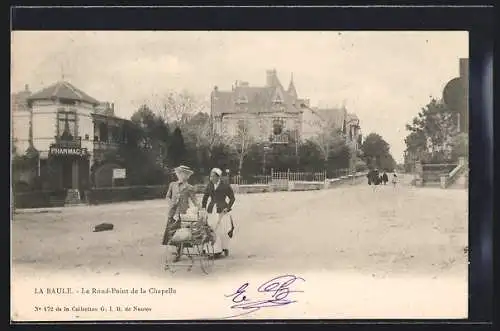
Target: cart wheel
<point>190,255</point>
<point>207,257</point>
<point>172,259</point>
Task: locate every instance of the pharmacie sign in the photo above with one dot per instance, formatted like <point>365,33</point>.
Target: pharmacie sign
<point>69,151</point>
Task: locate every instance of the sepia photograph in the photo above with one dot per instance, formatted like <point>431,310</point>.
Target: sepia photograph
<point>239,175</point>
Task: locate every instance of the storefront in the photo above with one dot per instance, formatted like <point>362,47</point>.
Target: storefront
<point>70,166</point>
<point>71,133</point>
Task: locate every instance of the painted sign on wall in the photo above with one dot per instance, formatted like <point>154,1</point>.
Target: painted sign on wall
<point>69,151</point>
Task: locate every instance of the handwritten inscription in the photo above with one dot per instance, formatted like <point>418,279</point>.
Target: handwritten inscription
<point>273,293</point>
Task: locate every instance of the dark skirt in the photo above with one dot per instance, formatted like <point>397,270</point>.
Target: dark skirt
<point>172,226</point>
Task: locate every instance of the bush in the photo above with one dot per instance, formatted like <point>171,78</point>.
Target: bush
<point>40,199</point>
<point>125,193</point>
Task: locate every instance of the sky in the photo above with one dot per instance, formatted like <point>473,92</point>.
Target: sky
<point>384,77</point>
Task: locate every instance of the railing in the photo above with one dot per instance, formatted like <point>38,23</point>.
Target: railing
<point>299,176</point>
<point>279,139</point>
<point>289,176</point>
<point>70,142</point>
<point>104,145</point>
<point>450,178</point>
<point>432,172</point>
<point>249,180</point>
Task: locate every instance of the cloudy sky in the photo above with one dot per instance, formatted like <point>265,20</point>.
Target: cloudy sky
<point>383,77</point>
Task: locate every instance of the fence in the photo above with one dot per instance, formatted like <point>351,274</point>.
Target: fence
<point>249,180</point>
<point>299,176</point>
<point>289,176</point>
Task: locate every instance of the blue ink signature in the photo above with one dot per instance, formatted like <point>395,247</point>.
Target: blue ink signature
<point>278,288</point>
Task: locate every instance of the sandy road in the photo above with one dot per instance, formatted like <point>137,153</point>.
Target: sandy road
<point>381,235</point>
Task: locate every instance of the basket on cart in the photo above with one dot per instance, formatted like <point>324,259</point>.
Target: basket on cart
<point>194,239</point>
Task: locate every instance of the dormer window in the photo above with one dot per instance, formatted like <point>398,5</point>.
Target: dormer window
<point>242,99</point>
<point>278,99</point>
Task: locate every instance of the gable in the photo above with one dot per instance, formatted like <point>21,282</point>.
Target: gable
<point>278,96</point>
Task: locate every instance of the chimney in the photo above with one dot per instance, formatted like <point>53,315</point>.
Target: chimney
<point>216,88</point>
<point>271,77</point>
<point>26,87</point>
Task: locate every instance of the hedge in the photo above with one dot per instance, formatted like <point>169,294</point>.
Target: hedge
<point>39,199</point>
<point>125,193</point>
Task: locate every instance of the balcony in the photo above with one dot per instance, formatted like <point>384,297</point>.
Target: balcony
<point>279,138</point>
<point>105,145</point>
<point>68,141</point>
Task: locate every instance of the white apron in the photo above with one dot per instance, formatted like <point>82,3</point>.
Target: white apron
<point>222,239</point>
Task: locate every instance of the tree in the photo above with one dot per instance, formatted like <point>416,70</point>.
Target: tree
<point>199,131</point>
<point>179,107</point>
<point>328,139</point>
<point>153,133</point>
<point>376,152</point>
<point>177,149</point>
<point>241,141</point>
<point>432,132</point>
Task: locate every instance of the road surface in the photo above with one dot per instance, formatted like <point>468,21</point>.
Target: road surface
<point>399,242</point>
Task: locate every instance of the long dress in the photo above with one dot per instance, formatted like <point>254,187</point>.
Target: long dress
<point>178,195</point>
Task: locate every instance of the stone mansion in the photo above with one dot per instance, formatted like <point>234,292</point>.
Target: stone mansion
<point>271,113</point>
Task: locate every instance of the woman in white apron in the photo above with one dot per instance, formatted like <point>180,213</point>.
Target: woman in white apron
<point>218,210</point>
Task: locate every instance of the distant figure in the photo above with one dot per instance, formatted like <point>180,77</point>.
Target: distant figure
<point>385,178</point>
<point>394,179</point>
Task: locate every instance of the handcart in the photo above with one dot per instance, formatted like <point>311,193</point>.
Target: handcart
<point>198,245</point>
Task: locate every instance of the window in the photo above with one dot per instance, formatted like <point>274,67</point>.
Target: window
<point>242,99</point>
<point>66,124</point>
<point>278,99</point>
<point>278,124</point>
<point>241,127</point>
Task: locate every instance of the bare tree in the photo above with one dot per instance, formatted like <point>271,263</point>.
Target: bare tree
<point>328,138</point>
<point>177,107</point>
<point>181,107</point>
<point>200,130</point>
<point>241,140</point>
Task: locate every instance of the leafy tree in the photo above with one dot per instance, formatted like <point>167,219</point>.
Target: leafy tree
<point>376,152</point>
<point>432,132</point>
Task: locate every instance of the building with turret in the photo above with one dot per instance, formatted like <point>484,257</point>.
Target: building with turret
<point>271,113</point>
<point>69,132</point>
<point>266,113</point>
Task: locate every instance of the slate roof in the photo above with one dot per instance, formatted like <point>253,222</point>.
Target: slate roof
<point>332,115</point>
<point>19,100</point>
<point>63,90</point>
<point>259,99</point>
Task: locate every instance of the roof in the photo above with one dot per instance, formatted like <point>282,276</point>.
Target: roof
<point>258,99</point>
<point>332,115</point>
<point>19,100</point>
<point>63,90</point>
<point>351,117</point>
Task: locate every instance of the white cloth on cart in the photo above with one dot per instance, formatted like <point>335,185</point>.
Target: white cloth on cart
<point>221,237</point>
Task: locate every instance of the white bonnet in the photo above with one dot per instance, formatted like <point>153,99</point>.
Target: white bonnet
<point>217,171</point>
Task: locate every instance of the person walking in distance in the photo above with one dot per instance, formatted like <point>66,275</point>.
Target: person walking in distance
<point>178,195</point>
<point>218,210</point>
<point>394,179</point>
<point>385,178</point>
